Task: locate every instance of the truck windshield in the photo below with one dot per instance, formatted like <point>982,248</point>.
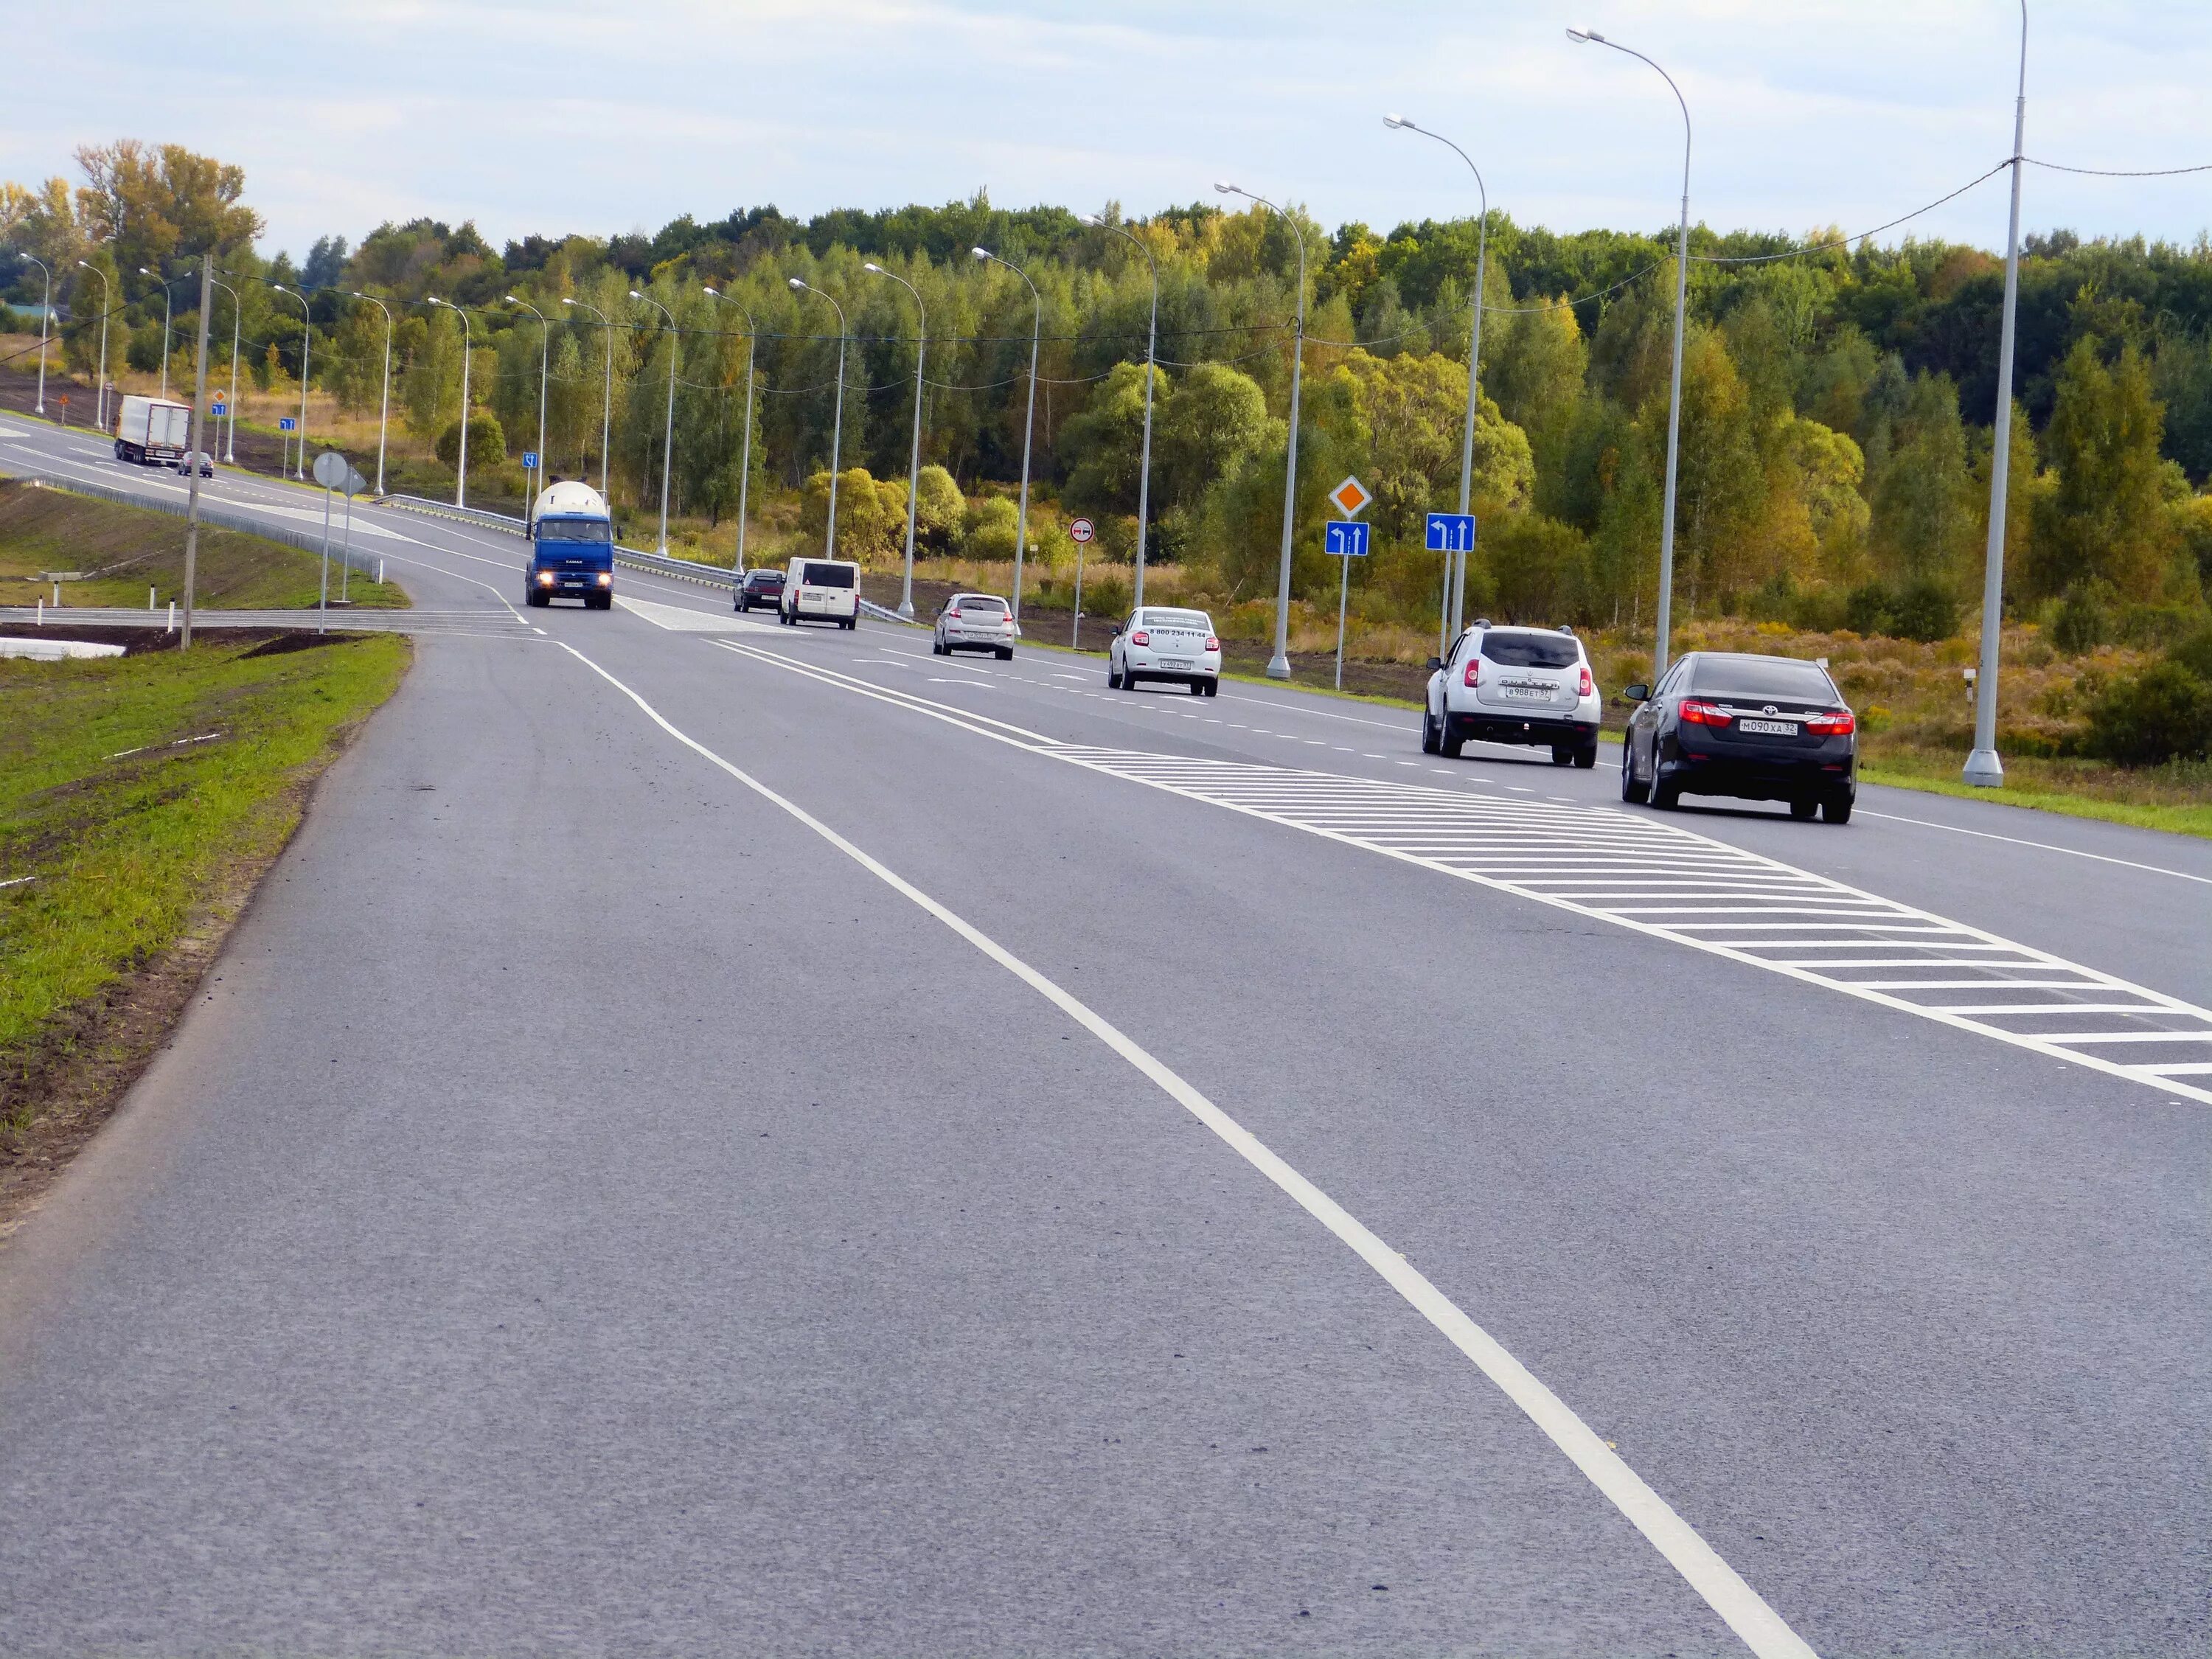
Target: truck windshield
<point>573,530</point>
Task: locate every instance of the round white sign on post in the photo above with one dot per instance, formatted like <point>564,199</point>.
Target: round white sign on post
<point>1081,530</point>
<point>331,468</point>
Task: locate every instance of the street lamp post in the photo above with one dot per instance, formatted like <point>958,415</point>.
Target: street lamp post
<point>668,427</point>
<point>230,419</point>
<point>468,343</point>
<point>914,454</point>
<point>1029,424</point>
<point>99,403</point>
<point>1455,563</point>
<point>1983,769</point>
<point>384,410</point>
<point>1278,666</point>
<point>607,397</point>
<point>307,339</point>
<point>545,366</point>
<point>836,421</point>
<point>46,313</point>
<point>745,455</point>
<point>1662,622</point>
<point>1151,362</point>
<point>142,271</point>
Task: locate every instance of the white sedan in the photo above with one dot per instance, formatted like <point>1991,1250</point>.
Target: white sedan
<point>1158,643</point>
<point>975,622</point>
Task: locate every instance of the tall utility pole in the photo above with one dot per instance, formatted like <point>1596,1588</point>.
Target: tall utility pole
<point>1152,369</point>
<point>1662,639</point>
<point>1028,423</point>
<point>199,429</point>
<point>544,372</point>
<point>384,410</point>
<point>46,313</point>
<point>144,271</point>
<point>1983,769</point>
<point>913,454</point>
<point>607,397</point>
<point>1455,563</point>
<point>1278,666</point>
<point>468,341</point>
<point>745,457</point>
<point>668,428</point>
<point>100,402</point>
<point>230,419</point>
<point>836,420</point>
<point>307,339</point>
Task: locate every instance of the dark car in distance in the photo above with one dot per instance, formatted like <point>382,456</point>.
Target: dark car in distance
<point>1753,727</point>
<point>761,588</point>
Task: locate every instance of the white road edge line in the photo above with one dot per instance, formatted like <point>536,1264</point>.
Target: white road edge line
<point>1761,1629</point>
<point>2040,846</point>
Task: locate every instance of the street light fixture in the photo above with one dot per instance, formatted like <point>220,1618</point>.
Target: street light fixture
<point>1028,423</point>
<point>1455,563</point>
<point>1983,769</point>
<point>607,397</point>
<point>307,338</point>
<point>914,453</point>
<point>836,421</point>
<point>230,419</point>
<point>384,413</point>
<point>45,312</point>
<point>668,427</point>
<point>1278,666</point>
<point>468,346</point>
<point>745,456</point>
<point>544,363</point>
<point>1664,619</point>
<point>1151,360</point>
<point>142,271</point>
<point>100,412</point>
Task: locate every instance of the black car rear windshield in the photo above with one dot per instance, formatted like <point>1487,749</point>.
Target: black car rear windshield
<point>826,575</point>
<point>763,579</point>
<point>1530,650</point>
<point>1762,676</point>
<point>572,530</point>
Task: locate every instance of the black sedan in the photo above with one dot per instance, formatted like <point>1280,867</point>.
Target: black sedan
<point>761,588</point>
<point>1758,728</point>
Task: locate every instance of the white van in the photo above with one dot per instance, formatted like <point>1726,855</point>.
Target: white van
<point>821,590</point>
<point>152,431</point>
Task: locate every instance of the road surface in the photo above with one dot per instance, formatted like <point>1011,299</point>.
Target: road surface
<point>726,1139</point>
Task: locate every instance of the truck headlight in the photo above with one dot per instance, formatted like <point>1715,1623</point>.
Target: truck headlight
<point>545,579</point>
<point>606,579</point>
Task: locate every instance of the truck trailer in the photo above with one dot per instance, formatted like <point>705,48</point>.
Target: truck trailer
<point>572,547</point>
<point>152,431</point>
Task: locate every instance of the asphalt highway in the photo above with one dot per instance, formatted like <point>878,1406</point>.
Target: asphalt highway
<point>724,1138</point>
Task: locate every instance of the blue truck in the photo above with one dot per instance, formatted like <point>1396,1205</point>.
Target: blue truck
<point>572,547</point>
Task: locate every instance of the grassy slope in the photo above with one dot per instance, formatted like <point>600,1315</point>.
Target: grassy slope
<point>127,848</point>
<point>52,530</point>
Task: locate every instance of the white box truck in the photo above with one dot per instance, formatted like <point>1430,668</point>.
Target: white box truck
<point>152,431</point>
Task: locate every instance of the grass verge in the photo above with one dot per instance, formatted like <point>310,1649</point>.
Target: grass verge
<point>141,847</point>
<point>2080,789</point>
<point>124,550</point>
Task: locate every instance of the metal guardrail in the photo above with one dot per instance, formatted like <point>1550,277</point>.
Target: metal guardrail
<point>215,513</point>
<point>447,510</point>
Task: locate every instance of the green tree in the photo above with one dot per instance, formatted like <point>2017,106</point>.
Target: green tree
<point>938,509</point>
<point>2105,516</point>
<point>1101,451</point>
<point>1924,520</point>
<point>1217,417</point>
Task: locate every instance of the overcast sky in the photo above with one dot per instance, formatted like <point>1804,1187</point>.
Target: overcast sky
<point>561,115</point>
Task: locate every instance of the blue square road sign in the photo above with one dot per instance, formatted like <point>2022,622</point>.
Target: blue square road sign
<point>1451,533</point>
<point>530,459</point>
<point>287,424</point>
<point>1345,537</point>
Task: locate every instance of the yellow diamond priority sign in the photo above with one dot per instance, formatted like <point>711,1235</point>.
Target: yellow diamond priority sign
<point>1350,496</point>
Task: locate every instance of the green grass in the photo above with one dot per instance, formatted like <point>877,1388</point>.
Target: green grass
<point>128,848</point>
<point>2149,798</point>
<point>133,549</point>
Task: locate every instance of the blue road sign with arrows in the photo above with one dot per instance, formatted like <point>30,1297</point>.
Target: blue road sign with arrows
<point>530,459</point>
<point>1345,537</point>
<point>1451,533</point>
<point>286,423</point>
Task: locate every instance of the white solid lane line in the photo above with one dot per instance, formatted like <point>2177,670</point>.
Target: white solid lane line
<point>1761,1629</point>
<point>2040,846</point>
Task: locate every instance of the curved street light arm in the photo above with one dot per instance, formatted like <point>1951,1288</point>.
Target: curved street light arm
<point>1028,423</point>
<point>914,455</point>
<point>1151,371</point>
<point>745,455</point>
<point>836,420</point>
<point>668,427</point>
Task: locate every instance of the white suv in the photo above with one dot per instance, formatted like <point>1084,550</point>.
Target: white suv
<point>975,622</point>
<point>1526,685</point>
<point>1158,643</point>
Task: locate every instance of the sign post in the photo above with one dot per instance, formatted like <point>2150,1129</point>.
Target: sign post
<point>286,425</point>
<point>530,466</point>
<point>1346,539</point>
<point>1451,534</point>
<point>331,470</point>
<point>1079,531</point>
<point>355,484</point>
